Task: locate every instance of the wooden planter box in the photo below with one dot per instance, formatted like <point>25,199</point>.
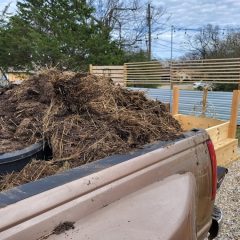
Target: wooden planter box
<point>226,147</point>
<point>222,133</point>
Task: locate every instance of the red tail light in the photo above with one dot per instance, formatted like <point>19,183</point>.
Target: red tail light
<point>214,167</point>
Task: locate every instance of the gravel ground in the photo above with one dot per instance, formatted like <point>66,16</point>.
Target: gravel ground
<point>228,199</point>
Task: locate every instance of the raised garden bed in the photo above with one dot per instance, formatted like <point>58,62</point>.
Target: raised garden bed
<point>222,133</point>
<point>225,145</point>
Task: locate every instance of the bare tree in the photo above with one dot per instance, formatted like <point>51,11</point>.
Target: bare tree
<point>205,43</point>
<point>126,20</point>
<point>212,42</point>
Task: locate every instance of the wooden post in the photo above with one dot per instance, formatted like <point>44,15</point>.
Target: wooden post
<point>175,100</point>
<point>204,101</point>
<point>125,75</point>
<point>90,69</point>
<point>234,114</point>
<point>171,79</point>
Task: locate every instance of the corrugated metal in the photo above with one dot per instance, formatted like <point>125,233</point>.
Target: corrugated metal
<point>219,103</point>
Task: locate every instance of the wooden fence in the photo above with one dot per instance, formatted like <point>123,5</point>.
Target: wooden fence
<point>116,73</point>
<point>152,73</point>
<point>158,73</point>
<point>206,70</point>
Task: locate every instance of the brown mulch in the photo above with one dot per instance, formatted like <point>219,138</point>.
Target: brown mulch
<point>83,118</point>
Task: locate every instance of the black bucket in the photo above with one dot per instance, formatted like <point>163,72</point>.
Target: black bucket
<point>15,161</point>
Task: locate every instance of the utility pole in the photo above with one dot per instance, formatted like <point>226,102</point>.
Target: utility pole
<point>171,84</point>
<point>149,18</point>
<point>172,28</point>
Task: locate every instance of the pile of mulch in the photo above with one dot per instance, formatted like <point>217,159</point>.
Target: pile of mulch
<point>82,117</point>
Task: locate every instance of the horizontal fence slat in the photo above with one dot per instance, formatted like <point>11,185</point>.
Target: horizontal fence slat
<point>204,67</point>
<point>206,72</point>
<point>204,63</point>
<point>137,63</point>
<point>213,59</point>
<point>106,67</point>
<point>147,73</point>
<point>139,76</point>
<point>147,68</point>
<point>146,83</point>
<point>209,76</point>
<point>209,81</point>
<point>190,71</point>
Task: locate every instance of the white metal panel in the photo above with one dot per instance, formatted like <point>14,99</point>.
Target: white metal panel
<point>219,103</point>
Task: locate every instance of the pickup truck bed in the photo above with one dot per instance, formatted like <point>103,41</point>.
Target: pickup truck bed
<point>163,191</point>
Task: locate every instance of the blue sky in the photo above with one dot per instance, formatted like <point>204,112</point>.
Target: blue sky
<point>185,14</point>
<point>3,3</point>
<point>194,14</point>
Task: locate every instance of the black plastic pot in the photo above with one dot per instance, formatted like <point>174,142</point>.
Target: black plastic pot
<point>16,160</point>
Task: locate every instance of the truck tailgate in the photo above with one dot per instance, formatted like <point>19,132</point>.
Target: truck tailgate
<point>143,214</point>
<point>168,175</point>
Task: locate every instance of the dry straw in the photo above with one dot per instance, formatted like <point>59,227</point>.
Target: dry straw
<point>83,118</point>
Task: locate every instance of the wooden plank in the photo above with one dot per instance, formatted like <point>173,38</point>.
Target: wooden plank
<point>206,61</point>
<point>117,79</point>
<point>213,59</point>
<point>125,74</point>
<point>211,77</point>
<point>145,65</point>
<point>148,73</point>
<point>204,101</point>
<point>226,152</point>
<point>210,81</point>
<point>146,68</point>
<point>119,74</point>
<point>175,67</point>
<point>204,71</point>
<point>149,67</point>
<point>219,132</point>
<point>142,63</point>
<point>112,72</point>
<point>146,81</point>
<point>108,73</point>
<point>107,70</point>
<point>90,68</point>
<point>189,122</point>
<point>115,75</point>
<point>214,65</point>
<point>168,80</point>
<point>107,67</point>
<point>175,100</point>
<point>234,114</point>
<point>109,76</point>
<point>223,143</point>
<point>159,77</point>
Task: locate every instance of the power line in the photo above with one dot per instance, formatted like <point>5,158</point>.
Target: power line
<point>164,40</point>
<point>169,47</point>
<point>201,28</point>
